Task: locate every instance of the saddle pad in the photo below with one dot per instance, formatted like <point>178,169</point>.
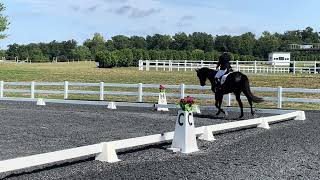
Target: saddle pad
<point>224,77</point>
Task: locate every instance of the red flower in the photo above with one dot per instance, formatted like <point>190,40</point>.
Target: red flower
<point>162,87</point>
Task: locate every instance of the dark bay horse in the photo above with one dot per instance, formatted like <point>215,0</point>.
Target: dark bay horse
<point>236,83</point>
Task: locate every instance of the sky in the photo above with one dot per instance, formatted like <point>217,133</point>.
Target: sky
<point>34,21</point>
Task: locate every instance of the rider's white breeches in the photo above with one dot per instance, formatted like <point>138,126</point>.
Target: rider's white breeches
<point>220,73</point>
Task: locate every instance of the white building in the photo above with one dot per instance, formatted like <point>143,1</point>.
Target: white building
<point>279,58</point>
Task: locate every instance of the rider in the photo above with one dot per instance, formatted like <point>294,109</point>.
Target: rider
<point>225,67</point>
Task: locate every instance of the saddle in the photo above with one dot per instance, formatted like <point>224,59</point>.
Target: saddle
<point>220,81</point>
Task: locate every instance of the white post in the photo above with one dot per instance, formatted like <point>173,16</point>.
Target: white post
<point>164,66</point>
<point>170,65</point>
<point>185,65</point>
<point>140,65</point>
<point>237,66</point>
<point>32,89</point>
<point>201,63</point>
<point>140,93</point>
<point>156,65</point>
<point>279,97</point>
<point>147,65</point>
<point>255,67</point>
<point>315,67</point>
<point>101,91</point>
<point>294,67</point>
<point>66,83</point>
<point>182,87</point>
<point>1,89</point>
<point>229,99</point>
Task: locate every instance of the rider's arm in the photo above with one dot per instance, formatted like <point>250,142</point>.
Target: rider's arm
<point>218,64</point>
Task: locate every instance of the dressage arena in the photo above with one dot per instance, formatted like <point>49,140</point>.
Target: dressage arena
<point>289,149</point>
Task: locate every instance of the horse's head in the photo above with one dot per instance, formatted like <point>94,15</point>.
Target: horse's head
<point>203,74</point>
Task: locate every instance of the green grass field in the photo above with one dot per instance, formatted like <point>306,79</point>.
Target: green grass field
<point>88,72</point>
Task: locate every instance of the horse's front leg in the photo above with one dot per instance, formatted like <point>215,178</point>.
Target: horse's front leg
<point>219,100</point>
<point>220,103</point>
<point>217,106</point>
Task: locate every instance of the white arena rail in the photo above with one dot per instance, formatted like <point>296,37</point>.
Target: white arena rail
<point>106,151</point>
<point>139,92</point>
<point>260,67</point>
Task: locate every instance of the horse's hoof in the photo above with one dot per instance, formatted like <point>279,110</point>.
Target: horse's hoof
<point>217,113</point>
<point>226,113</point>
<point>240,117</point>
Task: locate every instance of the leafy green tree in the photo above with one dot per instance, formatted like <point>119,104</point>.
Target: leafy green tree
<point>197,54</point>
<point>308,36</point>
<point>12,51</point>
<point>110,45</point>
<point>267,43</point>
<point>36,54</point>
<point>181,41</point>
<point>158,42</point>
<point>2,53</point>
<point>138,42</point>
<point>96,44</point>
<point>106,59</point>
<point>146,55</point>
<point>183,55</point>
<point>81,53</point>
<point>154,55</point>
<point>203,41</point>
<point>121,42</point>
<point>125,58</point>
<point>223,43</point>
<point>4,23</point>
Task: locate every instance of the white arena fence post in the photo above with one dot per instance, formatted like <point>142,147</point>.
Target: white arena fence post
<point>294,67</point>
<point>157,64</point>
<point>237,65</point>
<point>32,90</point>
<point>66,89</point>
<point>185,65</point>
<point>315,67</point>
<point>101,91</point>
<point>140,92</point>
<point>255,67</point>
<point>182,88</point>
<point>279,97</point>
<point>229,99</point>
<point>170,65</point>
<point>1,88</point>
<point>147,65</point>
<point>140,65</point>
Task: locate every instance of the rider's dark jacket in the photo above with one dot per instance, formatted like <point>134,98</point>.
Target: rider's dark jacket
<point>224,62</point>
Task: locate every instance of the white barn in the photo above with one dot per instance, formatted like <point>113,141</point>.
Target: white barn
<point>279,58</point>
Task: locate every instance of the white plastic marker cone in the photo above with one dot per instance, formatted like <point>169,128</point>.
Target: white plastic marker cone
<point>196,109</point>
<point>184,138</point>
<point>162,101</point>
<point>112,105</point>
<point>207,135</point>
<point>108,153</point>
<point>264,124</point>
<point>41,102</point>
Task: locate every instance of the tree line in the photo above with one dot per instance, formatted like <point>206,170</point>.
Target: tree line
<point>122,50</point>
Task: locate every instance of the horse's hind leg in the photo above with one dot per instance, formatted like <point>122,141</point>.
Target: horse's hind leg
<point>219,100</point>
<point>240,103</point>
<point>217,106</point>
<point>250,102</point>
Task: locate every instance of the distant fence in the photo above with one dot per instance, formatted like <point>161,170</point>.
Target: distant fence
<point>138,91</point>
<point>262,67</point>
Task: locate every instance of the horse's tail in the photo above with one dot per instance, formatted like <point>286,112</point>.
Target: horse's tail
<point>248,92</point>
